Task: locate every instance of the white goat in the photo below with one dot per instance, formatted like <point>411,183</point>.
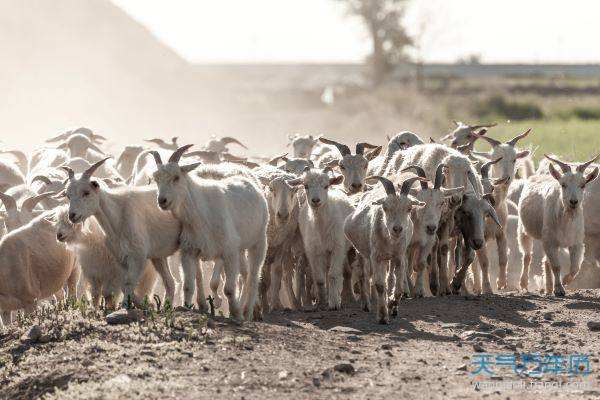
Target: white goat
<point>33,266</point>
<point>100,268</point>
<point>381,230</point>
<point>220,220</point>
<point>321,223</point>
<point>136,230</point>
<point>551,210</point>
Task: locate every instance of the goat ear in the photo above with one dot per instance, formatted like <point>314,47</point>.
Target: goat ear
<point>191,167</point>
<point>593,175</point>
<point>336,180</point>
<point>554,172</point>
<point>371,155</point>
<point>295,182</point>
<point>522,154</point>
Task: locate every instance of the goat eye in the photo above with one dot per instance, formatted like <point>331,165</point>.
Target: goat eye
<point>564,186</point>
<point>86,193</point>
<point>176,179</point>
<point>342,167</point>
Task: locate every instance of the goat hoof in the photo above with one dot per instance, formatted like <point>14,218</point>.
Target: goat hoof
<point>559,292</point>
<point>384,321</point>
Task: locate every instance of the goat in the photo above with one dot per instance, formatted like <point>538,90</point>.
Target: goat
<point>136,230</point>
<point>381,230</point>
<point>321,223</point>
<point>220,220</point>
<point>353,166</point>
<point>550,210</point>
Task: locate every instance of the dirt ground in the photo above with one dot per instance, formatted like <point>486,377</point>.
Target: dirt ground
<point>428,351</point>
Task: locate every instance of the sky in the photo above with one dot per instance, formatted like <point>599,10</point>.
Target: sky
<point>255,31</point>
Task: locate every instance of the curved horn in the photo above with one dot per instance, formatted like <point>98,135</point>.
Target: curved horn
<point>474,183</point>
<point>274,161</point>
<point>563,165</point>
<point>30,203</point>
<point>582,167</point>
<point>483,126</point>
<point>70,172</point>
<point>420,172</point>
<point>344,150</point>
<point>19,155</point>
<point>229,139</point>
<point>90,171</point>
<point>514,140</point>
<point>157,157</point>
<point>95,136</point>
<point>231,158</point>
<point>490,140</point>
<point>406,185</point>
<point>41,178</point>
<point>432,140</point>
<point>485,169</point>
<point>439,176</point>
<point>360,147</point>
<point>9,202</point>
<point>492,213</point>
<point>59,138</point>
<point>178,153</point>
<point>388,185</point>
<point>96,148</point>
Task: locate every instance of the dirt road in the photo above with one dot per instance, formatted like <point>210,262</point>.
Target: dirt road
<point>431,350</point>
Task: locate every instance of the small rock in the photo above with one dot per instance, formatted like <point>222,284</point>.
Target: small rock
<point>122,317</point>
<point>354,338</point>
<point>462,368</point>
<point>345,369</point>
<point>593,326</point>
<point>282,375</point>
<point>386,347</point>
<point>316,381</point>
<point>548,316</point>
<point>344,329</point>
<point>210,324</point>
<point>33,334</point>
<point>478,348</point>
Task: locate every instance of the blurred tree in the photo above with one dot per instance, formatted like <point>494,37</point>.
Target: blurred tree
<point>390,41</point>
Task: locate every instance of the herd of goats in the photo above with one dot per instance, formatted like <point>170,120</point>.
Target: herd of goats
<point>322,227</point>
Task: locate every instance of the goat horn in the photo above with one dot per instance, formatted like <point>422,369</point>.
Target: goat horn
<point>514,140</point>
<point>407,184</point>
<point>344,150</point>
<point>231,158</point>
<point>420,172</point>
<point>563,165</point>
<point>58,138</point>
<point>274,161</point>
<point>474,183</point>
<point>41,178</point>
<point>485,169</point>
<point>178,153</point>
<point>439,176</point>
<point>70,172</point>
<point>96,148</point>
<point>157,157</point>
<point>90,171</point>
<point>30,203</point>
<point>9,202</point>
<point>483,126</point>
<point>229,139</point>
<point>582,167</point>
<point>388,185</point>
<point>360,147</point>
<point>490,140</point>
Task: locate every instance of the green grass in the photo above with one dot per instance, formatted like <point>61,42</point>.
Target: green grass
<point>573,140</point>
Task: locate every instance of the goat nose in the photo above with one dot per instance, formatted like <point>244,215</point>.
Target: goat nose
<point>477,243</point>
<point>281,215</point>
<point>59,237</point>
<point>72,216</point>
<point>162,201</point>
<point>431,229</point>
<point>397,229</point>
<point>356,186</point>
<point>574,202</point>
<point>315,201</point>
